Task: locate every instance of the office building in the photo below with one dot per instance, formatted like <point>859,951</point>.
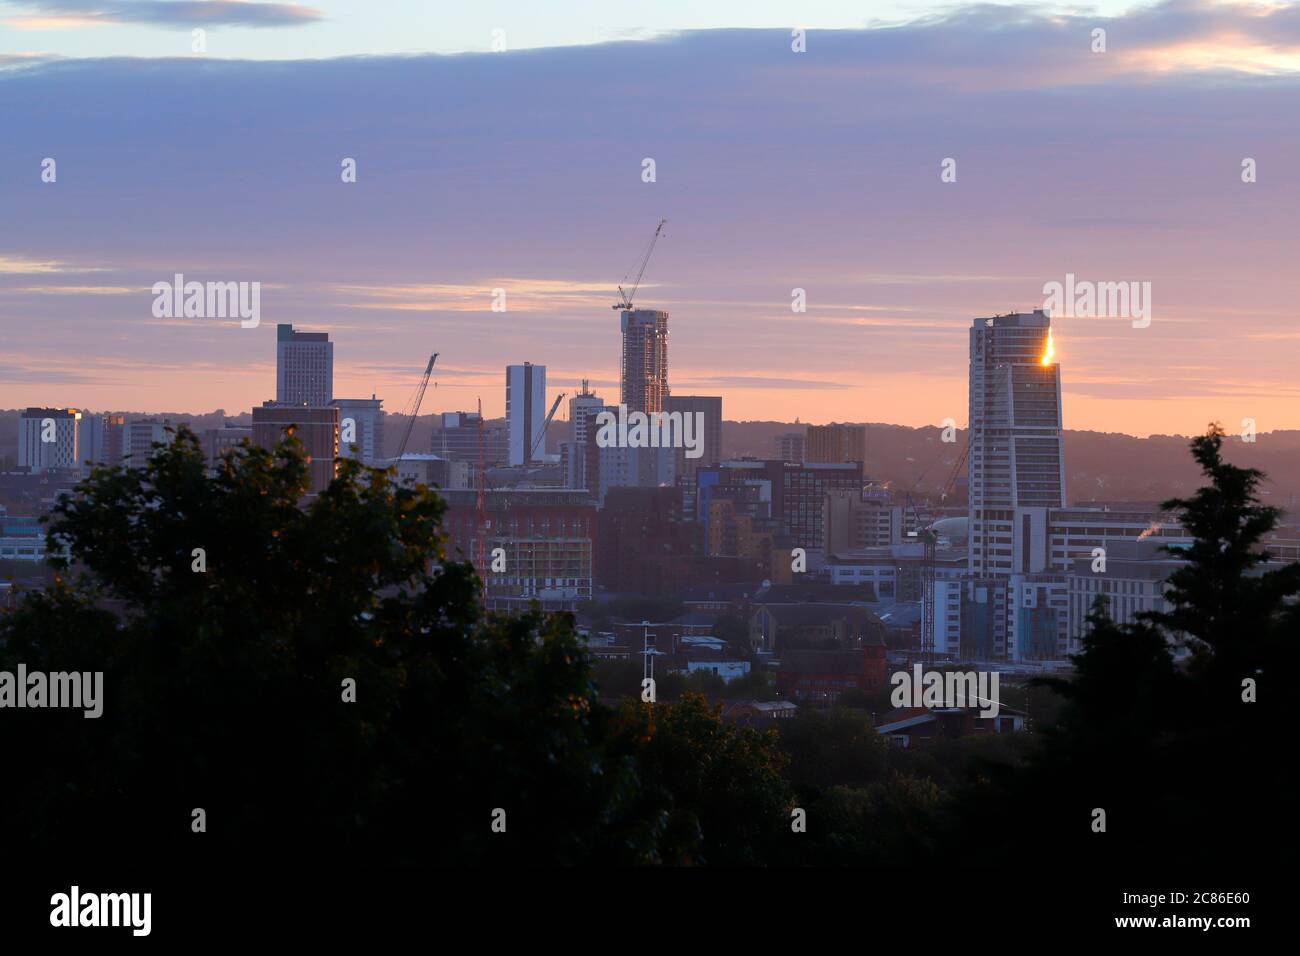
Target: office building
<point>599,468</point>
<point>22,538</point>
<point>304,367</point>
<point>833,444</point>
<point>141,437</point>
<point>218,441</point>
<point>1132,582</point>
<point>621,467</point>
<point>791,447</point>
<point>456,436</point>
<point>855,519</point>
<point>316,428</point>
<point>49,438</point>
<point>100,442</point>
<point>793,494</point>
<point>432,471</point>
<point>705,410</point>
<point>361,429</point>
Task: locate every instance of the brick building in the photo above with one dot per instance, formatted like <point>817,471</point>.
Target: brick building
<point>547,537</point>
<point>822,676</point>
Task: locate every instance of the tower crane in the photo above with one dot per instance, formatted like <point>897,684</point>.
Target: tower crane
<point>545,425</point>
<point>480,513</point>
<point>625,298</point>
<point>413,407</point>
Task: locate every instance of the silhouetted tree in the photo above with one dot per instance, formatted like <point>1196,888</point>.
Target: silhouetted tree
<point>224,682</point>
<point>826,748</point>
<point>1224,605</point>
<point>703,775</point>
<point>1183,766</point>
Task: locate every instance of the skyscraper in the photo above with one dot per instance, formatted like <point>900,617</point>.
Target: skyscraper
<point>644,374</point>
<point>304,367</point>
<point>1017,457</point>
<point>525,411</point>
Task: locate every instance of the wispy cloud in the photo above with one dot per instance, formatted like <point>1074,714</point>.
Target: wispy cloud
<point>74,290</point>
<point>759,381</point>
<point>521,295</point>
<point>19,265</point>
<point>164,13</point>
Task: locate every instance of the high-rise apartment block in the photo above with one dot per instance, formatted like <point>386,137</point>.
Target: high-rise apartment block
<point>1017,455</point>
<point>525,412</point>
<point>644,375</point>
<point>578,407</point>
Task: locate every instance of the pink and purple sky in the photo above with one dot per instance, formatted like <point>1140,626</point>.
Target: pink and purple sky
<point>776,170</point>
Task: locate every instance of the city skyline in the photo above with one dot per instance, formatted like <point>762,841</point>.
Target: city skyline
<point>458,195</point>
<point>956,525</point>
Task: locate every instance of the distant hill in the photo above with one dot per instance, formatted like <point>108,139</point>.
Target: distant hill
<point>1100,466</point>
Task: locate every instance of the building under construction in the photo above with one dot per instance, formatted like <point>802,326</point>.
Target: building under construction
<point>546,537</point>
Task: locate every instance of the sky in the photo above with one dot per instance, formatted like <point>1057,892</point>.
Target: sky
<point>523,170</point>
<point>329,28</point>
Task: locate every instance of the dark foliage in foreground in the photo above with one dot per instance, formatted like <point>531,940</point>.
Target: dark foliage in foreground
<point>224,690</point>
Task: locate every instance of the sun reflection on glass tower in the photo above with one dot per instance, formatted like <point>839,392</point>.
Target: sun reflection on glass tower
<point>1017,458</point>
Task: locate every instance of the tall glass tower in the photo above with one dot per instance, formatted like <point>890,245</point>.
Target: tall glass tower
<point>1017,458</point>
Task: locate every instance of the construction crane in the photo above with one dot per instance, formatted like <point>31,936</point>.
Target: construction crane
<point>625,298</point>
<point>413,407</point>
<point>545,425</point>
<point>480,514</point>
<point>929,541</point>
